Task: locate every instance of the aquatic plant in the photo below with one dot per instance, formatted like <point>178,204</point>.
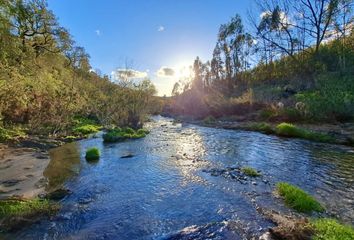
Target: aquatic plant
<point>250,172</point>
<point>122,134</point>
<point>92,154</point>
<point>290,130</point>
<point>298,199</point>
<point>328,229</point>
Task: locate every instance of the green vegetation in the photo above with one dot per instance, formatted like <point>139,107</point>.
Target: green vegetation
<point>209,120</point>
<point>11,134</point>
<point>261,127</point>
<point>122,134</point>
<point>46,80</point>
<point>250,172</point>
<point>300,74</point>
<point>26,208</point>
<point>330,229</point>
<point>92,154</point>
<point>86,129</point>
<point>297,199</point>
<point>290,130</point>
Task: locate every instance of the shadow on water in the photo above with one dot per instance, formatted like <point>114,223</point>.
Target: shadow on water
<point>166,185</point>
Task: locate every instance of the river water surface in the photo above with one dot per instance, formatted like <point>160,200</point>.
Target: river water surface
<point>167,185</point>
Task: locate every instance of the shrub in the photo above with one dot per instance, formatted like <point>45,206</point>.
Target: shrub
<point>92,154</point>
<point>261,127</point>
<point>332,100</point>
<point>11,134</point>
<point>327,229</point>
<point>266,114</point>
<point>290,130</point>
<point>297,199</point>
<point>209,120</point>
<point>250,172</point>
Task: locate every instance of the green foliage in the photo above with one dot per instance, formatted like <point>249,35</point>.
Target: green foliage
<point>92,154</point>
<point>26,208</point>
<point>122,134</point>
<point>261,127</point>
<point>45,79</point>
<point>11,134</point>
<point>209,120</point>
<point>297,199</point>
<point>330,229</point>
<point>333,99</point>
<point>290,130</point>
<point>250,172</point>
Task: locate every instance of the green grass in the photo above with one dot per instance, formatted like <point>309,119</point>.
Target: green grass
<point>261,127</point>
<point>330,229</point>
<point>298,199</point>
<point>92,154</point>
<point>122,134</point>
<point>86,129</point>
<point>26,208</point>
<point>290,130</point>
<point>85,126</point>
<point>250,172</point>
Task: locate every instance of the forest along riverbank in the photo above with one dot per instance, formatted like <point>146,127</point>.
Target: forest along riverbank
<point>184,181</point>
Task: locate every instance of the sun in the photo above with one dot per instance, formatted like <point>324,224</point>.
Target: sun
<point>184,71</point>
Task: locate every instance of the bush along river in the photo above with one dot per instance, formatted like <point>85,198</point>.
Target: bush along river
<point>184,181</point>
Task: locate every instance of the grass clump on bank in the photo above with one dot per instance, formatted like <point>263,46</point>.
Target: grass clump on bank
<point>84,126</point>
<point>17,211</point>
<point>250,172</point>
<point>298,199</point>
<point>290,130</point>
<point>92,154</point>
<point>261,127</point>
<point>328,229</point>
<point>122,134</point>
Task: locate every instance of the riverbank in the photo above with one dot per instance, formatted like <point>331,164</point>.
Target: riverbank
<point>335,133</point>
<point>23,162</point>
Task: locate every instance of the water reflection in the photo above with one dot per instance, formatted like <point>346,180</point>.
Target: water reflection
<point>64,164</point>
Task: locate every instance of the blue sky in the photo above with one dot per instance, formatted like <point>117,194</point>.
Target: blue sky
<point>150,33</point>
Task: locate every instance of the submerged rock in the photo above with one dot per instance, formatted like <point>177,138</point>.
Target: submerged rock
<point>128,156</point>
<point>58,194</point>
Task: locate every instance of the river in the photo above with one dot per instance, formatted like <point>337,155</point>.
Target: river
<point>168,186</point>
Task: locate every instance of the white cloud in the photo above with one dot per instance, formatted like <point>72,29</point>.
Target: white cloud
<point>161,29</point>
<point>127,74</point>
<point>166,72</point>
<point>98,32</point>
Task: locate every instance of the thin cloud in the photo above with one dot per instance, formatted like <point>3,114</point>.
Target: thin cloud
<point>124,74</point>
<point>161,29</point>
<point>166,72</point>
<point>98,32</point>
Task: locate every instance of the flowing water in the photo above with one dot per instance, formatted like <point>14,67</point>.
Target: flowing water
<point>166,185</point>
